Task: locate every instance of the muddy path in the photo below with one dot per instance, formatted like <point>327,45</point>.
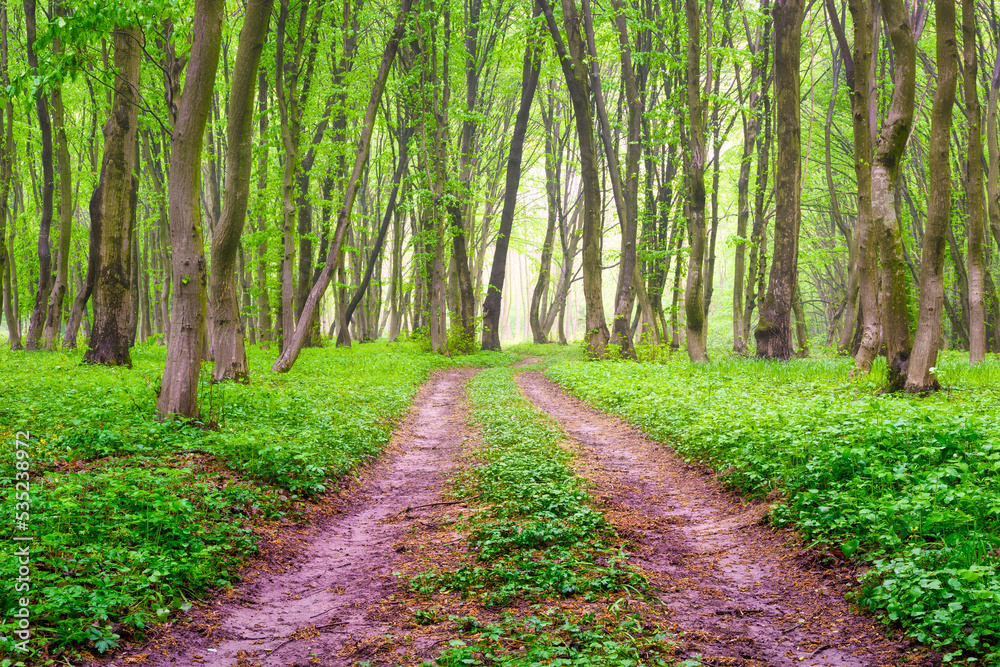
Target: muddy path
<point>319,610</point>
<point>739,593</point>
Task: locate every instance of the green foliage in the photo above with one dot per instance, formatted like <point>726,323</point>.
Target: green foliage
<point>907,484</point>
<point>132,516</point>
<point>557,637</point>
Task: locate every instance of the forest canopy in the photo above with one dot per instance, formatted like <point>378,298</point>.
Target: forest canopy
<point>763,177</point>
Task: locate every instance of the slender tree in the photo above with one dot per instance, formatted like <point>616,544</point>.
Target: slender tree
<point>6,172</point>
<point>53,318</point>
<point>230,353</point>
<point>694,292</point>
<point>494,290</point>
<point>920,375</point>
<point>291,351</point>
<point>573,57</point>
<point>974,188</point>
<point>37,321</point>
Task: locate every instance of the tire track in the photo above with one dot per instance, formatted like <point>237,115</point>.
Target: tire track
<point>735,589</point>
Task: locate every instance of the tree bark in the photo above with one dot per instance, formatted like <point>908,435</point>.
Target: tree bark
<point>53,318</point>
<point>885,166</point>
<point>993,149</point>
<point>538,334</point>
<point>694,292</point>
<point>230,351</point>
<point>494,290</point>
<point>974,189</point>
<point>757,265</point>
<point>920,376</point>
<point>115,202</point>
<point>179,390</point>
<point>859,74</point>
<point>37,321</point>
<point>265,333</point>
<point>773,333</point>
<point>6,173</point>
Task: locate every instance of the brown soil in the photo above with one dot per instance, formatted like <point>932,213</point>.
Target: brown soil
<point>739,593</point>
<point>317,607</point>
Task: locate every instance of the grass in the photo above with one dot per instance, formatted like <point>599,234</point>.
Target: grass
<point>539,539</point>
<point>907,486</point>
<point>132,517</point>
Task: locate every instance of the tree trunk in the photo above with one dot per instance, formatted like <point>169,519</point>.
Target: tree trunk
<point>694,293</point>
<point>885,166</point>
<point>6,173</point>
<point>625,193</point>
<point>265,333</point>
<point>859,74</point>
<point>179,390</point>
<point>573,59</point>
<point>993,148</point>
<point>53,319</point>
<point>757,267</point>
<point>145,325</point>
<point>773,333</point>
<point>115,210</point>
<point>974,189</point>
<point>230,352</point>
<point>538,335</point>
<point>494,290</point>
<point>37,321</point>
<point>920,376</point>
<point>460,205</point>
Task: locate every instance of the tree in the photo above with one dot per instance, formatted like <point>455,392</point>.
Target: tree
<point>885,166</point>
<point>53,317</point>
<point>230,353</point>
<point>974,176</point>
<point>179,389</point>
<point>48,185</point>
<point>113,210</point>
<point>694,293</point>
<point>573,59</point>
<point>920,375</point>
<point>291,351</point>
<point>494,290</point>
<point>6,172</point>
<point>773,333</point>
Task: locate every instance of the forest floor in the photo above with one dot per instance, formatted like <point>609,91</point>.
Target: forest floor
<point>333,590</point>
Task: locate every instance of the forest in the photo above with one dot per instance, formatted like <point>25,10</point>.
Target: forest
<point>500,332</point>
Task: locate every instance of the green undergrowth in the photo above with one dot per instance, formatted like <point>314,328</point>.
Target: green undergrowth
<point>538,539</point>
<point>133,517</point>
<point>908,486</point>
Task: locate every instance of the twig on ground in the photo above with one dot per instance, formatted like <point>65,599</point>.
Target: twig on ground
<point>451,502</point>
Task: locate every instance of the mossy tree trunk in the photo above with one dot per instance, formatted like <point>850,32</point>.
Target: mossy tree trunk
<point>920,376</point>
